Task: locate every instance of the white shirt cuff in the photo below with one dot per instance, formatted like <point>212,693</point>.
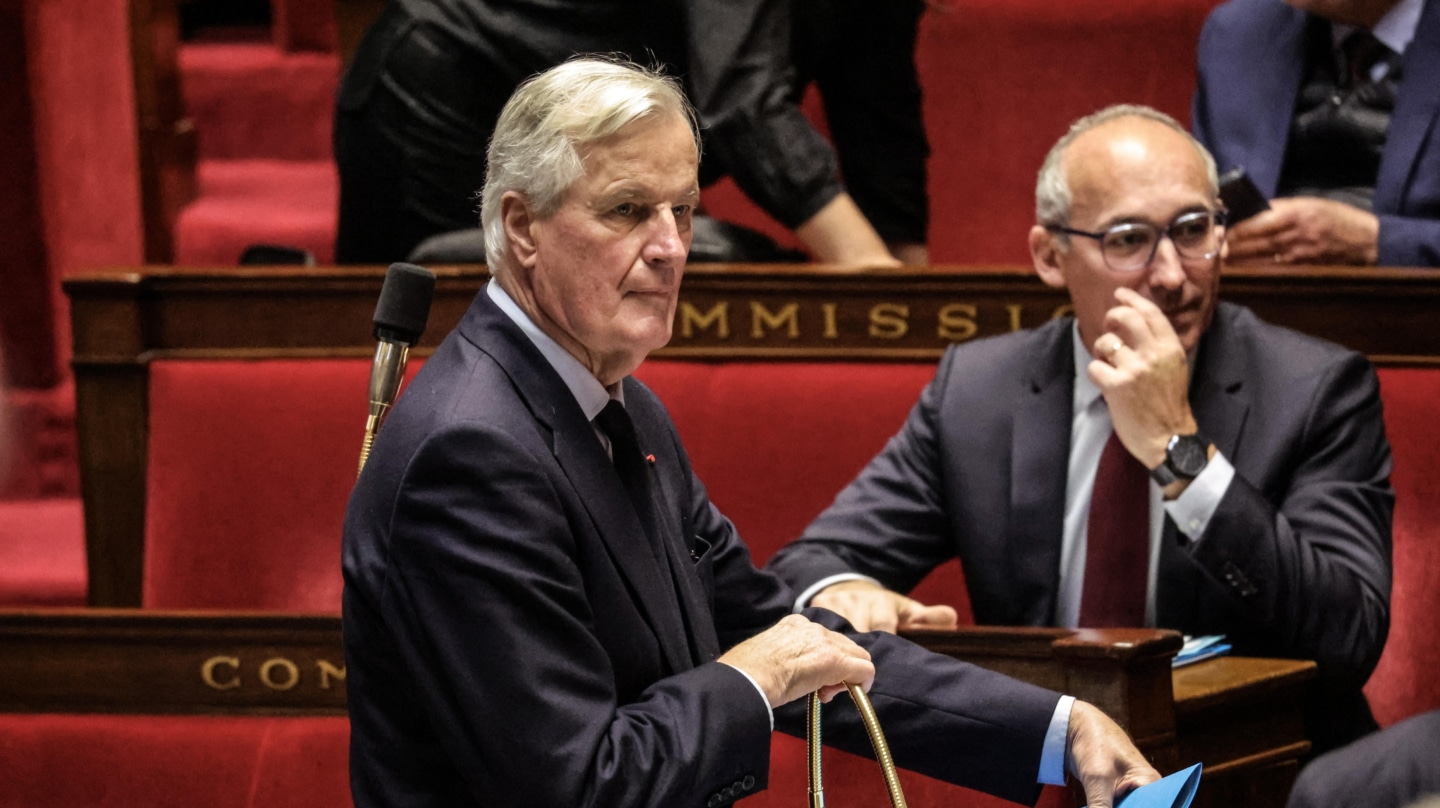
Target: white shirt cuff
<point>1052,755</point>
<point>1197,503</point>
<point>763,698</point>
<point>813,589</point>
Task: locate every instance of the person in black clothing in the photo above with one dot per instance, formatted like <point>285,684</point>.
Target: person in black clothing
<point>420,98</point>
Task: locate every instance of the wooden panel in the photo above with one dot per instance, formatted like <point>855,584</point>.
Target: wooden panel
<point>123,318</point>
<point>164,662</point>
<point>749,311</point>
<point>167,140</point>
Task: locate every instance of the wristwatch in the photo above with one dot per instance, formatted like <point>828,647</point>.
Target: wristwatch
<point>1185,457</point>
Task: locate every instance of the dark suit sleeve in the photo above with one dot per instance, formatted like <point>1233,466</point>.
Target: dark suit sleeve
<point>943,718</point>
<point>1311,577</point>
<point>890,522</point>
<point>490,615</point>
<point>1409,241</point>
<point>742,83</point>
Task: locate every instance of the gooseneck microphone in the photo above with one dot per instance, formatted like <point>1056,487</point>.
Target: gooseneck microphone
<point>400,317</point>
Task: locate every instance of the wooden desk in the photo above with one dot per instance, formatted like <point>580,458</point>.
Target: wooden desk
<point>1241,717</point>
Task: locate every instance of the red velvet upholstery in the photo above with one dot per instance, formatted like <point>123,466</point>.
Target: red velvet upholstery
<point>99,761</point>
<point>252,100</point>
<point>42,553</point>
<point>1406,681</point>
<point>775,442</point>
<point>250,467</point>
<point>245,202</point>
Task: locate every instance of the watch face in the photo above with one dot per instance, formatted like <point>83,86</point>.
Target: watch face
<point>1188,454</point>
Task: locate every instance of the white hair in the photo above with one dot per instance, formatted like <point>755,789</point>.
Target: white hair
<point>1052,190</point>
<point>552,120</point>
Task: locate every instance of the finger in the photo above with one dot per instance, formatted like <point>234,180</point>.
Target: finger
<point>918,615</point>
<point>1099,793</point>
<point>1263,225</point>
<point>1155,319</point>
<point>1104,375</point>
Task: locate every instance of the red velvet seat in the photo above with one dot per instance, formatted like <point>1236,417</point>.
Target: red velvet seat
<point>126,761</point>
<point>1406,683</point>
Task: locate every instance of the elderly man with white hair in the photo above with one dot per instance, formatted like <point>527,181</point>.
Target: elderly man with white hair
<point>542,607</point>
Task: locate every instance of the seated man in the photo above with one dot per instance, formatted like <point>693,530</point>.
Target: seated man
<point>1158,459</point>
<point>1330,106</point>
<point>541,605</point>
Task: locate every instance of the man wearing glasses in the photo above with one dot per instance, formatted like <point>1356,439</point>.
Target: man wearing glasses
<point>1159,459</point>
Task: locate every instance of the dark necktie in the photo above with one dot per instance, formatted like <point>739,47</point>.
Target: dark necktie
<point>633,469</point>
<point>1362,52</point>
<point>1117,542</point>
<point>631,466</point>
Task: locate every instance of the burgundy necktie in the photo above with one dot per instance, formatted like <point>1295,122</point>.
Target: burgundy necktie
<point>1117,542</point>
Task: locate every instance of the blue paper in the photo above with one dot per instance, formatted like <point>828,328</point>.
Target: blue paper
<point>1198,648</point>
<point>1174,791</point>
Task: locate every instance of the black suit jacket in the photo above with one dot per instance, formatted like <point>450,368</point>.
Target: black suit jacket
<point>509,639</point>
<point>1251,63</point>
<point>1295,561</point>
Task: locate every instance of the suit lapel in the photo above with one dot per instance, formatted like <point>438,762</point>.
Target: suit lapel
<point>1415,113</point>
<point>666,482</point>
<point>1041,450</point>
<point>1218,396</point>
<point>1276,73</point>
<point>584,462</point>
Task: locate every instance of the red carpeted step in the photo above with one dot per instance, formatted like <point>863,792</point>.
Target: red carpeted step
<point>245,202</point>
<point>42,553</point>
<point>251,100</point>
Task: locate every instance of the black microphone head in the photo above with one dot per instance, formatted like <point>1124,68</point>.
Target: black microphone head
<point>404,304</point>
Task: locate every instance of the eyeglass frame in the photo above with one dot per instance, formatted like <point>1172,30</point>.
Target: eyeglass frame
<point>1218,219</point>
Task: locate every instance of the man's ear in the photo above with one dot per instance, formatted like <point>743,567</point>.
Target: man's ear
<point>1045,252</point>
<point>519,221</point>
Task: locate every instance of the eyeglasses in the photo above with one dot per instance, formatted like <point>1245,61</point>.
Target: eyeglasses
<point>1131,246</point>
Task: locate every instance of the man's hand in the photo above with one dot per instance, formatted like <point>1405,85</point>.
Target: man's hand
<point>798,656</point>
<point>1100,755</point>
<point>1142,371</point>
<point>871,607</point>
<point>1307,230</point>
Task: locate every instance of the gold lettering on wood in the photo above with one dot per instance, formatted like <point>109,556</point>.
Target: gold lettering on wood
<point>762,318</point>
<point>718,316</point>
<point>957,322</point>
<point>888,320</point>
<point>328,672</point>
<point>1014,309</point>
<point>207,672</point>
<point>831,332</point>
<point>1063,310</point>
<point>292,673</point>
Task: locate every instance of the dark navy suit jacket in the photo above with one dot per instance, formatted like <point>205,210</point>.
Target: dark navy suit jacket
<point>509,640</point>
<point>1251,63</point>
<point>1295,561</point>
